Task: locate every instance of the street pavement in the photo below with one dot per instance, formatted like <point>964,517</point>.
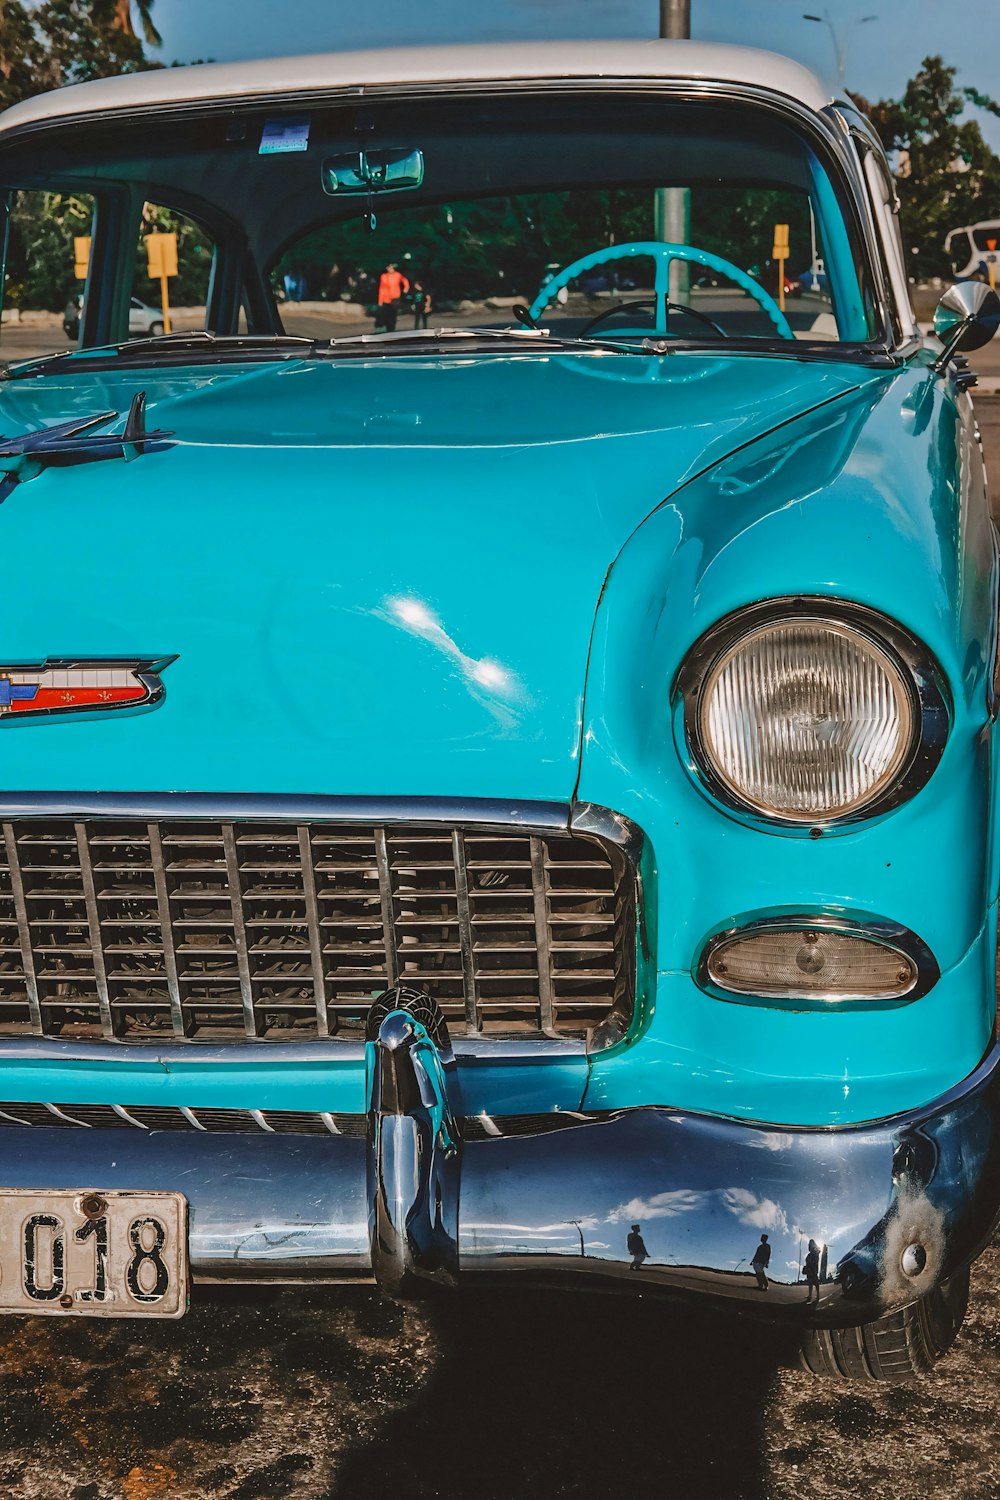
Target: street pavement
<point>333,1394</point>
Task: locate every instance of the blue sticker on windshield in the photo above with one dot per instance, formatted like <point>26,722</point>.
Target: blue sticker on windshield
<point>290,133</point>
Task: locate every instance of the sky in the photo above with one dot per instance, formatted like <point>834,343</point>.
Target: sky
<point>881,53</point>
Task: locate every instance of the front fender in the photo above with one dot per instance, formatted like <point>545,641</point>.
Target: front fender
<point>877,498</point>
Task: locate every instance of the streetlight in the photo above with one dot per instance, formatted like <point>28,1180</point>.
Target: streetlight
<point>839,47</point>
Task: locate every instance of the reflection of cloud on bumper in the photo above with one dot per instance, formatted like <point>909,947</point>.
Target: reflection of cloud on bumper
<point>659,1206</point>
<point>493,684</point>
<point>759,1213</point>
<point>770,1140</point>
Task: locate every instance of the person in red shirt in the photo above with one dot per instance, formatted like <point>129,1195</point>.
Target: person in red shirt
<point>392,287</point>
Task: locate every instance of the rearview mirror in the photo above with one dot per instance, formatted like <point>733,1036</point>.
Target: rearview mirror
<point>372,171</point>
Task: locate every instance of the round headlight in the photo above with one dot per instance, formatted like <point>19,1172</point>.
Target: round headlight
<point>807,718</point>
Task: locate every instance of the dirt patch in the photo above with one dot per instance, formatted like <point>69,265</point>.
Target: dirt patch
<point>331,1394</point>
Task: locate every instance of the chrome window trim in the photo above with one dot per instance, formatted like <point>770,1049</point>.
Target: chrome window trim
<point>477,812</point>
<point>889,934</point>
<point>920,670</point>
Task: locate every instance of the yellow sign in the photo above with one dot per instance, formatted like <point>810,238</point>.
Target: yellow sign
<point>779,252</point>
<point>81,256</point>
<point>161,250</point>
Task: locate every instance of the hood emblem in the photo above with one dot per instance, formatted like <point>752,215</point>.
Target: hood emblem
<point>62,685</point>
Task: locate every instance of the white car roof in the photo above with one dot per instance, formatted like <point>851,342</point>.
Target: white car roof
<point>490,62</point>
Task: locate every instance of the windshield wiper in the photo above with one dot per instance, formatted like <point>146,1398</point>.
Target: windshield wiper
<point>530,338</point>
<point>196,340</point>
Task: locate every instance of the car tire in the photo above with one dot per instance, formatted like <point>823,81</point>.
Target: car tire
<point>897,1347</point>
<point>155,330</point>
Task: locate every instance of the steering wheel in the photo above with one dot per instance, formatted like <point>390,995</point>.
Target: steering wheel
<point>662,253</point>
<point>675,307</point>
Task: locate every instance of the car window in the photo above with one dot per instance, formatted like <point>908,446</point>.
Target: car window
<point>48,250</point>
<point>172,268</point>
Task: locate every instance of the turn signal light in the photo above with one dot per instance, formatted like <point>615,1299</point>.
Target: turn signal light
<point>779,961</point>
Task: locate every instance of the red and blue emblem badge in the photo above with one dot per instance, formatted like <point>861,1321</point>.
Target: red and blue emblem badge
<point>79,684</point>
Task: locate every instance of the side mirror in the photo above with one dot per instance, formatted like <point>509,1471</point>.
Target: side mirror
<point>967,317</point>
<point>372,172</point>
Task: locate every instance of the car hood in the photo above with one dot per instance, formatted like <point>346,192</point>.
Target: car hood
<point>379,575</point>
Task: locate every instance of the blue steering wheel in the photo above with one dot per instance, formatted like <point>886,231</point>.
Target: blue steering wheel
<point>663,252</point>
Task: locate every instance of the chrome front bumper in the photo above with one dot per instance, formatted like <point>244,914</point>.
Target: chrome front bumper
<point>414,1200</point>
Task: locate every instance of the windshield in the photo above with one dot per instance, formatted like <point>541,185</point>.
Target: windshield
<point>607,218</point>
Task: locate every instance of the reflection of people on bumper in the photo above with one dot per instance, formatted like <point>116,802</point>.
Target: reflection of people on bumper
<point>761,1261</point>
<point>637,1249</point>
<point>812,1270</point>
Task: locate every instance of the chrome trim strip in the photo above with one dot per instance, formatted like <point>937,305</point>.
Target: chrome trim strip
<point>920,670</point>
<point>120,1109</point>
<point>851,924</point>
<point>23,930</point>
<point>166,923</point>
<point>464,909</point>
<point>245,1051</point>
<point>539,887</point>
<point>60,1114</point>
<point>239,928</point>
<point>286,807</point>
<point>385,894</point>
<point>314,929</point>
<point>94,923</point>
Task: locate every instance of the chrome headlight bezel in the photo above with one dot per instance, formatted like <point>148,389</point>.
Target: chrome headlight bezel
<point>930,706</point>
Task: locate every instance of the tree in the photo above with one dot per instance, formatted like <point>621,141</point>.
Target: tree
<point>121,18</point>
<point>44,46</point>
<point>946,174</point>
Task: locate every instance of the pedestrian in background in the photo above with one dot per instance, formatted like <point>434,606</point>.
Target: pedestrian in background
<point>420,297</point>
<point>392,286</point>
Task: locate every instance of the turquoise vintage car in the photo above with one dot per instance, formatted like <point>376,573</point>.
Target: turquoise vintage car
<point>511,797</point>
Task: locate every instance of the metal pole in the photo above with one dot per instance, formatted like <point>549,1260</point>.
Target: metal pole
<point>675,18</point>
<point>672,206</point>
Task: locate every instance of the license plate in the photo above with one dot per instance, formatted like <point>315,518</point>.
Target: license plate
<point>101,1253</point>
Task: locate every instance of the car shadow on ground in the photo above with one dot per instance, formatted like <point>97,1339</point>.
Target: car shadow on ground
<point>562,1394</point>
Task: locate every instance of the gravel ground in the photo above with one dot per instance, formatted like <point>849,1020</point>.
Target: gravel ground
<point>332,1394</point>
<point>327,1395</point>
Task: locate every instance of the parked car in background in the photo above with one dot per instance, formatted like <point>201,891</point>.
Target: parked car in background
<point>969,248</point>
<point>531,817</point>
<point>143,321</point>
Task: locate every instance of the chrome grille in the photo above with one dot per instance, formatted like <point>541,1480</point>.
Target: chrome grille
<point>212,929</point>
